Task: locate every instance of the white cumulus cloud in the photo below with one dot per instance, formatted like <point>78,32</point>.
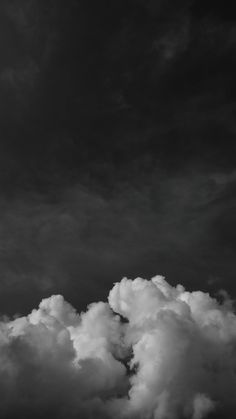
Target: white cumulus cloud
<point>152,351</point>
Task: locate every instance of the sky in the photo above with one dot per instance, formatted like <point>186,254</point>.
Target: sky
<point>117,146</point>
<point>117,160</point>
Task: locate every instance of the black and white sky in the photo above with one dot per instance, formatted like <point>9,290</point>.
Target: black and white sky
<point>117,148</point>
<point>117,122</point>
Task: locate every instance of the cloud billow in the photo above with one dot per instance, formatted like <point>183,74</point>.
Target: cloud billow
<point>153,351</point>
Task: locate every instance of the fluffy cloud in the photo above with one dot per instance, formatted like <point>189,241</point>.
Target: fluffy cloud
<point>153,351</point>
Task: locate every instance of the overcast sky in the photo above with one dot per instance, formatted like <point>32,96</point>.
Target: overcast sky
<point>117,150</point>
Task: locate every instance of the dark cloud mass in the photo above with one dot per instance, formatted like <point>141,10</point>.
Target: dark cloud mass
<point>117,145</point>
<point>117,158</point>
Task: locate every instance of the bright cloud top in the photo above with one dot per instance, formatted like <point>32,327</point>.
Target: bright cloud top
<point>153,351</point>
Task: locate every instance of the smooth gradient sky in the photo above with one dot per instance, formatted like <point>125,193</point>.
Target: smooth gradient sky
<point>117,147</point>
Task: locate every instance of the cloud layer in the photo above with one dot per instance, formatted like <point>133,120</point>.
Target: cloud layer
<point>152,351</point>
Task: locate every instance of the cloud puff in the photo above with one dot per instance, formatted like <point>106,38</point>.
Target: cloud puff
<point>153,351</point>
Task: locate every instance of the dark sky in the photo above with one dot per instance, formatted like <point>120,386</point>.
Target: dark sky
<point>117,146</point>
